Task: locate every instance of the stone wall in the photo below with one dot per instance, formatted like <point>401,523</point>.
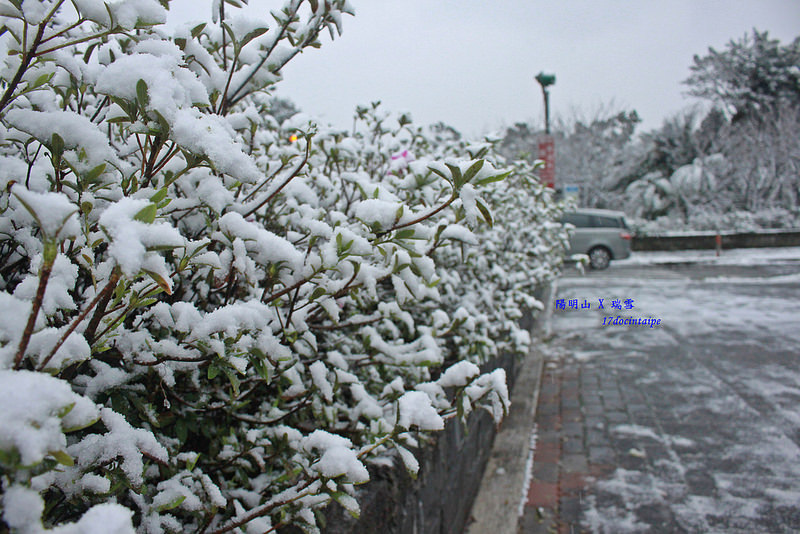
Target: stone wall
<point>706,241</point>
<point>440,499</point>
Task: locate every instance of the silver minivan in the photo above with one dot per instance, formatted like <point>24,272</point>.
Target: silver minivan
<point>603,235</point>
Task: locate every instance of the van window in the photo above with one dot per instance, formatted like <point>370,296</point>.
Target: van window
<point>579,220</point>
<point>600,221</point>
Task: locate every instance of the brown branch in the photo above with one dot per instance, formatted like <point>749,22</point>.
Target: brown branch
<point>285,183</point>
<point>148,171</point>
<point>285,290</point>
<point>418,219</point>
<point>264,509</point>
<point>266,181</point>
<point>180,360</point>
<point>27,56</point>
<point>344,325</point>
<point>65,30</point>
<point>227,104</point>
<point>44,275</point>
<point>252,420</point>
<point>74,42</point>
<point>108,290</point>
<point>75,324</point>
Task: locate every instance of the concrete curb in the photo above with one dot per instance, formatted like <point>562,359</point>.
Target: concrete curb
<point>497,506</point>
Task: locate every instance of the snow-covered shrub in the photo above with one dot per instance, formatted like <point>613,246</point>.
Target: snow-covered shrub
<point>213,322</point>
<point>687,192</point>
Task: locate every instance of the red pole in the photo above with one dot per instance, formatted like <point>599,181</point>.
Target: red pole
<point>718,243</point>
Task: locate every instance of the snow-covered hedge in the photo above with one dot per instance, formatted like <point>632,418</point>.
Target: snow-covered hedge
<point>213,322</point>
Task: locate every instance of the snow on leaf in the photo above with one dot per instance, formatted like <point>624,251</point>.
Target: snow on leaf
<point>62,279</point>
<point>319,376</point>
<point>109,518</point>
<point>22,508</point>
<point>415,409</point>
<point>337,458</point>
<point>122,442</point>
<point>77,132</point>
<point>378,212</point>
<point>468,200</point>
<point>131,238</point>
<point>211,136</point>
<point>169,86</point>
<point>53,212</point>
<point>34,411</point>
<point>459,374</point>
<point>458,232</point>
<point>409,460</point>
<point>266,246</point>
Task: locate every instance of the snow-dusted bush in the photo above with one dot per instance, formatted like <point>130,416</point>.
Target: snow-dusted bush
<point>213,322</point>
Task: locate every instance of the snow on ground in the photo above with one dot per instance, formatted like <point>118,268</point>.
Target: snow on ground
<point>737,256</point>
<point>720,439</point>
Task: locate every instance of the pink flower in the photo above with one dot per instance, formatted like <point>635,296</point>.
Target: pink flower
<point>400,162</point>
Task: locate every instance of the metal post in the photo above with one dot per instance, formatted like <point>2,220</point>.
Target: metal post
<point>546,80</point>
<point>546,110</point>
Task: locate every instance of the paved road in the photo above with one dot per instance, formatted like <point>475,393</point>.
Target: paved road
<point>690,426</point>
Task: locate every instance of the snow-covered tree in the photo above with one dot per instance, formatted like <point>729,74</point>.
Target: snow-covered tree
<point>593,153</point>
<point>750,76</point>
<point>211,321</point>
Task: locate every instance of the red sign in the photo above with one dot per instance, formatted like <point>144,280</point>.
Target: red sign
<point>547,152</point>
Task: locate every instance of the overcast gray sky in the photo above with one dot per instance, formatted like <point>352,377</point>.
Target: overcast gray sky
<point>471,63</point>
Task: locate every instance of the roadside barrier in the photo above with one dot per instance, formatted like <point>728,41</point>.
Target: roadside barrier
<point>709,240</point>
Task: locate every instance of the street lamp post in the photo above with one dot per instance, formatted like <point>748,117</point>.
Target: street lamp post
<point>546,80</point>
<point>547,148</point>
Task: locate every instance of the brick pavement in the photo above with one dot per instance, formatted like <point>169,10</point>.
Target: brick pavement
<point>576,404</point>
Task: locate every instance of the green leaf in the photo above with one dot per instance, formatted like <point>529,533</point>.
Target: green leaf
<point>118,120</point>
<point>197,30</point>
<point>440,173</point>
<point>252,35</point>
<point>493,178</point>
<point>147,214</point>
<point>63,458</point>
<point>487,215</point>
<point>213,372</point>
<point>192,462</point>
<point>405,233</point>
<point>146,302</point>
<point>95,173</point>
<point>141,94</point>
<point>41,80</point>
<point>89,50</point>
<point>163,125</point>
<point>56,145</point>
<point>174,503</point>
<point>458,180</point>
<point>50,252</point>
<point>473,170</point>
<point>317,293</point>
<point>159,195</point>
<point>233,379</point>
<point>181,430</point>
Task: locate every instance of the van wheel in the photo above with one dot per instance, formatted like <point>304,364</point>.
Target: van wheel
<point>599,258</point>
